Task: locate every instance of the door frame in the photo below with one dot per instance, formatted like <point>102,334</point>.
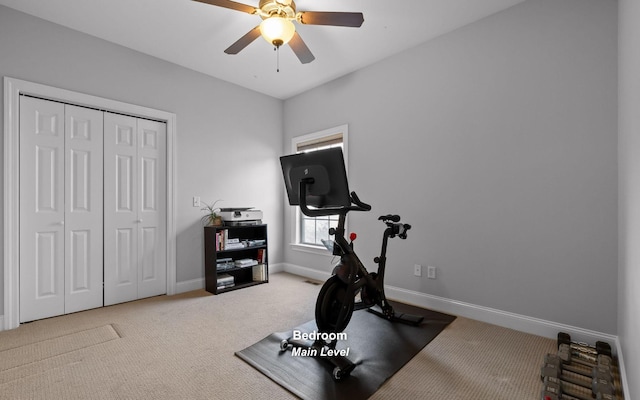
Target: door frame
<point>13,88</point>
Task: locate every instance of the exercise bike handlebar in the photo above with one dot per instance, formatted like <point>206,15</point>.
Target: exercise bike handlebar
<point>403,233</point>
<point>357,204</point>
<point>389,217</point>
<point>395,228</point>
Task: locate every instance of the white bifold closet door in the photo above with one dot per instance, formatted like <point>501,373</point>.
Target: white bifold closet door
<point>61,189</point>
<point>134,208</point>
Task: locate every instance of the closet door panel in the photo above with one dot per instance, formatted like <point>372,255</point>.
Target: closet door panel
<point>148,245</point>
<point>46,178</point>
<point>47,262</point>
<point>121,215</point>
<point>80,261</point>
<point>126,258</point>
<point>41,209</point>
<point>125,178</point>
<point>152,208</point>
<point>84,208</point>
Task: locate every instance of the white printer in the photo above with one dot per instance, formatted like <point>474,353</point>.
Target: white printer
<point>241,216</point>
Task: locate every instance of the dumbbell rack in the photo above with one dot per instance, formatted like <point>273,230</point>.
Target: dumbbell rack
<point>580,372</point>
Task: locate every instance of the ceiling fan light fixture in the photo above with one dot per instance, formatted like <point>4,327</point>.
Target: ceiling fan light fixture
<point>277,26</point>
<point>277,30</point>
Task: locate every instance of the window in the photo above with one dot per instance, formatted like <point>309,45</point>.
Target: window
<point>310,231</point>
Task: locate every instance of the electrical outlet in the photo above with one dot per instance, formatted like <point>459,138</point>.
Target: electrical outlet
<point>196,201</point>
<point>431,272</point>
<point>417,270</point>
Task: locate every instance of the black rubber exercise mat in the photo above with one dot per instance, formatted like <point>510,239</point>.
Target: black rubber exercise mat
<point>378,347</point>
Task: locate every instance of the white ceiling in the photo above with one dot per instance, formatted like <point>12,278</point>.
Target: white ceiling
<point>194,35</point>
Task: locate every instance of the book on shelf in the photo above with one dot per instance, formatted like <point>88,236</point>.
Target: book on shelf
<point>261,256</point>
<point>225,279</point>
<point>224,242</point>
<point>220,240</point>
<point>246,262</point>
<point>259,273</point>
<point>225,266</point>
<point>224,236</point>
<point>225,286</point>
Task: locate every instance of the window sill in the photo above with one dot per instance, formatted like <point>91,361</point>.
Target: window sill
<point>308,248</point>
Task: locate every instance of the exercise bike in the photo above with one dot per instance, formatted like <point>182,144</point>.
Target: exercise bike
<point>322,182</point>
<point>336,300</point>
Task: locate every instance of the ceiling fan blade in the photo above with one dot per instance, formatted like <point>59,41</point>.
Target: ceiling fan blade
<point>352,19</point>
<point>244,41</point>
<point>301,50</point>
<point>230,4</point>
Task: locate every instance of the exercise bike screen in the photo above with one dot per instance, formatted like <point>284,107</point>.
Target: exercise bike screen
<point>330,187</point>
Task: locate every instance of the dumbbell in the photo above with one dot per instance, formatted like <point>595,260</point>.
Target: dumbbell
<point>568,356</point>
<point>581,349</point>
<point>601,381</point>
<point>601,378</point>
<point>600,366</point>
<point>599,357</point>
<point>554,389</point>
<point>602,370</point>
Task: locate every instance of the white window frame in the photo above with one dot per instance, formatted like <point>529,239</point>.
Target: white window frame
<point>296,214</point>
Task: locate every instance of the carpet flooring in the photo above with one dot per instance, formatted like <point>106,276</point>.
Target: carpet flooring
<point>183,346</point>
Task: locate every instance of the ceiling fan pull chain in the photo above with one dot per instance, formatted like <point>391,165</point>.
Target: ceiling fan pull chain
<point>277,50</point>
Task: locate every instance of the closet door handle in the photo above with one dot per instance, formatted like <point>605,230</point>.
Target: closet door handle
<point>61,223</point>
<point>139,221</point>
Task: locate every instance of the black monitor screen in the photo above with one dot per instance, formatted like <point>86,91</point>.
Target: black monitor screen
<point>326,167</point>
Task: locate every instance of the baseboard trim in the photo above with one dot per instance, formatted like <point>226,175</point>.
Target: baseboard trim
<point>306,272</point>
<point>190,285</point>
<point>522,323</point>
<point>275,268</point>
<point>197,284</point>
<point>623,372</point>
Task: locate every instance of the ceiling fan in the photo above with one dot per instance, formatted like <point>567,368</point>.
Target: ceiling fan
<point>277,27</point>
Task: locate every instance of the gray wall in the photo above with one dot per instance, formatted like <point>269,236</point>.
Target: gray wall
<point>211,124</point>
<point>629,153</point>
<point>497,143</point>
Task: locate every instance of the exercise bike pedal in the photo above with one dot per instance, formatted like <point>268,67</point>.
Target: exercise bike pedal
<point>343,371</point>
<point>342,366</point>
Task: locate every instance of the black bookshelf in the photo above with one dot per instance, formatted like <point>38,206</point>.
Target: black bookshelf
<point>225,247</point>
